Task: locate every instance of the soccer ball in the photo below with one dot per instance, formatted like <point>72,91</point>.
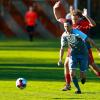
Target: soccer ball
<point>21,83</point>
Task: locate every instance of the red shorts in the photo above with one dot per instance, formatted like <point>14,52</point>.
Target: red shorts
<point>91,59</point>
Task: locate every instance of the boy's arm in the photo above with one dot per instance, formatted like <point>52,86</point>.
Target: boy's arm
<point>61,53</point>
<point>61,56</point>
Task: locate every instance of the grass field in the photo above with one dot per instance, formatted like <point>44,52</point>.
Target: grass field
<point>37,62</point>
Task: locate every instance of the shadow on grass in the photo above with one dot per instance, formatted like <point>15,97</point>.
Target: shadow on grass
<point>31,48</point>
<point>38,72</point>
<point>44,46</point>
<point>67,98</point>
<point>91,93</point>
<point>31,72</point>
<point>7,65</point>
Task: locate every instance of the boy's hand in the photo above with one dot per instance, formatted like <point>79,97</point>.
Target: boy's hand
<point>59,63</point>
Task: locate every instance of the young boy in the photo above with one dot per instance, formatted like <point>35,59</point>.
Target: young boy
<point>78,52</point>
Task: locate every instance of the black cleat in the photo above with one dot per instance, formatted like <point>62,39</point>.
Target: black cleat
<point>77,92</point>
<point>67,87</point>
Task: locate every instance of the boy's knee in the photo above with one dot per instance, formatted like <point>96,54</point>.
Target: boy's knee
<point>73,74</point>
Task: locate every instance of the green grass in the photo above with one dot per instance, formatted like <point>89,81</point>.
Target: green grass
<point>37,62</point>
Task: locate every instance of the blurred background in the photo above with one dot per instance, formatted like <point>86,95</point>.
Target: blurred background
<point>12,12</point>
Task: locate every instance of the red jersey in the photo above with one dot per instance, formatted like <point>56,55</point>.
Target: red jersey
<point>83,25</point>
<point>31,18</point>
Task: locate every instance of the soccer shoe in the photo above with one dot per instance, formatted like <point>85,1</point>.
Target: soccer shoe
<point>78,92</point>
<point>98,74</point>
<point>83,80</point>
<point>67,87</point>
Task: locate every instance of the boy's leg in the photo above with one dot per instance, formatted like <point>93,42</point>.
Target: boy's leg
<point>95,68</point>
<point>83,67</point>
<point>83,77</point>
<point>75,81</point>
<point>72,67</point>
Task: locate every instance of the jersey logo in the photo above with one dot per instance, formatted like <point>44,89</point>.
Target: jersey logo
<point>71,39</point>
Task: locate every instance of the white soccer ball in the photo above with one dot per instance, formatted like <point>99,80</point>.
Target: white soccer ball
<point>21,83</point>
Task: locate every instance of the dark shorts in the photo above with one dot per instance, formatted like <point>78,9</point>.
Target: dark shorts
<point>30,28</point>
<point>81,60</point>
<point>90,58</point>
<point>88,45</point>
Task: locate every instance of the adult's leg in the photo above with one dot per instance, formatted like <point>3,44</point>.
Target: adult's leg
<point>67,72</point>
<point>72,66</point>
<point>67,76</point>
<point>95,68</point>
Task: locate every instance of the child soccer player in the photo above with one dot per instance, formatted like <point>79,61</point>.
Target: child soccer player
<point>78,53</point>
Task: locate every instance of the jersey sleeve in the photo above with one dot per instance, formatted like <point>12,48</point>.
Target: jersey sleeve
<point>68,16</point>
<point>80,34</point>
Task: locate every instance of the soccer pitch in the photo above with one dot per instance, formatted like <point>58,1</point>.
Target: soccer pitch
<point>37,62</point>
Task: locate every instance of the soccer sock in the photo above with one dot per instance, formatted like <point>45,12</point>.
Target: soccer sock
<point>98,74</point>
<point>68,79</point>
<point>75,81</point>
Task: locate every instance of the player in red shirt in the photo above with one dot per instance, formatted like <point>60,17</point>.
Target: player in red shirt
<point>30,19</point>
<point>83,22</point>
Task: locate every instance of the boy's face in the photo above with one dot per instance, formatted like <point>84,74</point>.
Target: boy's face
<point>67,27</point>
